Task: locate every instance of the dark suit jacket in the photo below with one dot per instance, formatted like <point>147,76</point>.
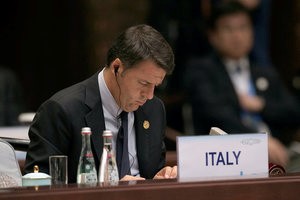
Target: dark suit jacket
<point>56,129</point>
<point>215,102</point>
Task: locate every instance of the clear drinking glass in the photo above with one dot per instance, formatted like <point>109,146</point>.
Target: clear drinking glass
<point>58,165</point>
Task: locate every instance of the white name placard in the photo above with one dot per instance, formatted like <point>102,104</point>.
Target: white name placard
<point>213,157</point>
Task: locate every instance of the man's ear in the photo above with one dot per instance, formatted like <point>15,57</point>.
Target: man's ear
<point>115,65</point>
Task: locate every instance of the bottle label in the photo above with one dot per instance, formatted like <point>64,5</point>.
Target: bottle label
<point>113,176</point>
<point>87,178</point>
<point>89,155</point>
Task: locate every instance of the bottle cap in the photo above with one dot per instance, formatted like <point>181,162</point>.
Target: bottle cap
<point>107,133</point>
<point>86,130</point>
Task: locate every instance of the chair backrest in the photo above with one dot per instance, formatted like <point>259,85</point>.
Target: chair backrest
<point>10,174</point>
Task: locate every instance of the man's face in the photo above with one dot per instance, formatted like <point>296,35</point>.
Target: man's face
<point>233,35</point>
<point>137,84</point>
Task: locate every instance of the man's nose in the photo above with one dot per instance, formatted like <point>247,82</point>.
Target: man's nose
<point>149,92</point>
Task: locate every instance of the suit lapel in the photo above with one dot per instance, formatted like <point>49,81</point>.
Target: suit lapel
<point>97,125</point>
<point>255,75</point>
<point>226,81</point>
<point>142,140</point>
<point>95,118</point>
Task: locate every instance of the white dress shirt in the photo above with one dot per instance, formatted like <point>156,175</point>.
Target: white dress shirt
<point>240,75</point>
<point>240,78</point>
<point>111,112</point>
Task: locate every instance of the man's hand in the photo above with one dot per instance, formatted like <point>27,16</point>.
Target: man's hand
<point>132,178</point>
<point>166,173</point>
<point>251,103</point>
<point>277,152</point>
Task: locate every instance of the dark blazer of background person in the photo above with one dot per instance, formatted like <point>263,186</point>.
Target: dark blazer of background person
<point>10,98</point>
<point>215,102</point>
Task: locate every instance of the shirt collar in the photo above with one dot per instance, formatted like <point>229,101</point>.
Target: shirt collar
<point>108,101</point>
<point>231,64</point>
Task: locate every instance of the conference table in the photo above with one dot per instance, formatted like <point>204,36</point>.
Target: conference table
<point>277,187</point>
<point>281,187</point>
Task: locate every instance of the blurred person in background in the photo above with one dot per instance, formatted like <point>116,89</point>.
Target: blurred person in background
<point>260,12</point>
<point>229,90</point>
<point>183,24</point>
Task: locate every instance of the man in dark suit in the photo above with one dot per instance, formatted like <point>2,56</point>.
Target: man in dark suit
<point>229,91</point>
<point>136,63</point>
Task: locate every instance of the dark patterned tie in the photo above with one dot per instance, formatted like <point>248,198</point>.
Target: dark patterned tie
<point>122,147</point>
